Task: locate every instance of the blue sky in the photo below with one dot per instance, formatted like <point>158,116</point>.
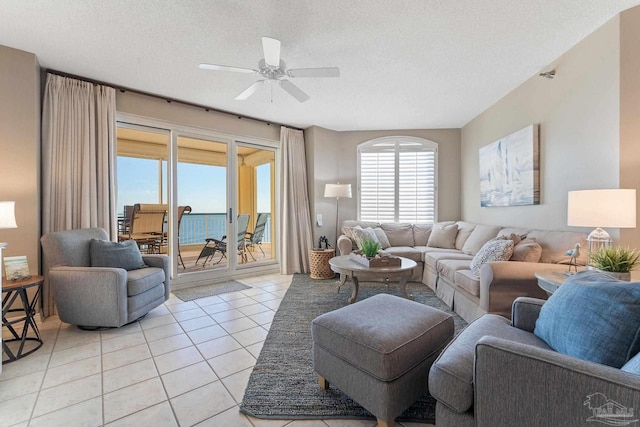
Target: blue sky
<point>202,187</point>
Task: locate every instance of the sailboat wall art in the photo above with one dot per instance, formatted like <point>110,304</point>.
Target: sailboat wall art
<point>510,170</point>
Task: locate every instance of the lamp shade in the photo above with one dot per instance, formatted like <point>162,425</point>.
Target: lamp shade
<point>615,208</point>
<point>337,190</point>
<point>7,215</point>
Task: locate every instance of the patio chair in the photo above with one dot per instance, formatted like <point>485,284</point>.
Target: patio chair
<point>181,211</point>
<point>214,245</point>
<point>255,237</point>
<point>147,226</point>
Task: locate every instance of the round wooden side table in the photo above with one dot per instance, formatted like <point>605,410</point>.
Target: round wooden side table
<point>15,299</point>
<point>319,263</point>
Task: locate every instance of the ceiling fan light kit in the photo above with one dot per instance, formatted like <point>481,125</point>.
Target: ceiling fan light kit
<point>272,69</point>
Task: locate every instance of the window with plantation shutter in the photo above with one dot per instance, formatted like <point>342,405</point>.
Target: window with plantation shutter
<point>397,180</point>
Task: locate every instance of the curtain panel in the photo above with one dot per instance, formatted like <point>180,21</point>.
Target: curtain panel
<point>295,217</point>
<point>78,159</point>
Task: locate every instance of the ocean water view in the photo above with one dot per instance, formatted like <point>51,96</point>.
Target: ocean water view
<point>197,227</point>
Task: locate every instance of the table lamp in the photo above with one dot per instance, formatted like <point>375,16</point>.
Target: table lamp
<point>337,190</point>
<point>611,208</point>
<point>7,220</point>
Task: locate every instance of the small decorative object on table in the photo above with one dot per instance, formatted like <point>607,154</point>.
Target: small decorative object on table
<point>371,256</point>
<point>16,267</point>
<point>574,254</point>
<point>615,260</point>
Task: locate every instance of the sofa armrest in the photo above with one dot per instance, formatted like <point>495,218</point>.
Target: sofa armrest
<point>160,261</point>
<point>544,388</point>
<point>90,296</point>
<point>501,282</point>
<point>344,245</point>
<point>525,312</point>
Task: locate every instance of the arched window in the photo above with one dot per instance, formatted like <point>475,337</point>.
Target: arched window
<point>397,180</point>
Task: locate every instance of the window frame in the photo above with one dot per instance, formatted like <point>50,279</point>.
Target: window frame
<point>419,144</point>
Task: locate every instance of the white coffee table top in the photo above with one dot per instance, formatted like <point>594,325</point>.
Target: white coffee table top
<point>344,262</point>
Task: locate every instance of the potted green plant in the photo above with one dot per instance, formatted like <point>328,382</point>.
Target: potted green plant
<point>370,248</point>
<point>615,260</point>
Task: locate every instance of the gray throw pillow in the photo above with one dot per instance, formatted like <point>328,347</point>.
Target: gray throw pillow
<point>494,250</point>
<point>594,317</point>
<point>113,254</point>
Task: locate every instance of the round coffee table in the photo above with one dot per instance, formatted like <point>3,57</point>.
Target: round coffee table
<point>355,271</point>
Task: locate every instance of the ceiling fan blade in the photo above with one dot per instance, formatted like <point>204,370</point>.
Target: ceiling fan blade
<point>271,49</point>
<point>314,72</point>
<point>250,90</point>
<point>226,68</point>
<point>293,90</point>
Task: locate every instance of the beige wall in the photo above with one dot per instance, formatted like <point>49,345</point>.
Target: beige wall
<point>332,156</point>
<point>578,115</point>
<point>630,114</point>
<point>20,151</point>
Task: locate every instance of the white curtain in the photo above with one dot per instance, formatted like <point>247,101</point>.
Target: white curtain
<point>295,218</point>
<point>78,155</point>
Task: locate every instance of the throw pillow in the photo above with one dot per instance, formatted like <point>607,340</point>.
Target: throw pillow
<point>494,250</point>
<point>104,253</point>
<point>593,317</point>
<point>361,234</point>
<point>528,250</point>
<point>443,236</point>
<point>633,365</point>
<point>382,238</point>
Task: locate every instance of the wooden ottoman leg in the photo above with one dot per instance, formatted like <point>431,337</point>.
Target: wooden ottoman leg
<point>324,384</point>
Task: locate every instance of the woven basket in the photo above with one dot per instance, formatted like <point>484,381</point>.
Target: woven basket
<point>319,260</point>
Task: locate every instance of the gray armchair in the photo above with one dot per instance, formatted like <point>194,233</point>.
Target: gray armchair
<point>498,373</point>
<point>93,297</point>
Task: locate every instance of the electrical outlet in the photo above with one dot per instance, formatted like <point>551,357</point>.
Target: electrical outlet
<point>319,220</point>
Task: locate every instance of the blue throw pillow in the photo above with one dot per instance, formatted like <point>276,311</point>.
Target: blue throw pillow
<point>594,317</point>
<point>633,365</point>
<point>112,254</point>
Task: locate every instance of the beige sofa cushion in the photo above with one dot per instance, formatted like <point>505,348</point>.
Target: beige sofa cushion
<point>432,258</point>
<point>480,235</point>
<point>399,234</point>
<point>448,267</point>
<point>406,252</point>
<point>468,281</point>
<point>421,233</point>
<point>556,243</point>
<point>464,231</point>
<point>528,250</point>
<point>443,236</point>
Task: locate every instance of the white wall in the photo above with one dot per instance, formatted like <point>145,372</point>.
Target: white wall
<point>578,113</point>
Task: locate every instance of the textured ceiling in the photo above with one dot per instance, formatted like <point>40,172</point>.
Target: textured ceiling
<point>405,64</point>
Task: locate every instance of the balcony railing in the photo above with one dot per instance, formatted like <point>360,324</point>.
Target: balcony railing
<point>197,227</point>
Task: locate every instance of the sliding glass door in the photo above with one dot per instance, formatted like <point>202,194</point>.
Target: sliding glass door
<point>219,194</point>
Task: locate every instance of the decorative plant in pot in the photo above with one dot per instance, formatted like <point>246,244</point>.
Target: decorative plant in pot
<point>370,248</point>
<point>615,260</point>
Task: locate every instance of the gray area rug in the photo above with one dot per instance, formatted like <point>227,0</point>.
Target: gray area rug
<point>202,291</point>
<point>283,384</point>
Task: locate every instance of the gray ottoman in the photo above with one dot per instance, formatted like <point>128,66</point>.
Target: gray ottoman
<point>379,351</point>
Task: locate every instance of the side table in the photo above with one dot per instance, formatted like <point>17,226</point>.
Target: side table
<point>319,263</point>
<point>550,280</point>
<point>11,292</point>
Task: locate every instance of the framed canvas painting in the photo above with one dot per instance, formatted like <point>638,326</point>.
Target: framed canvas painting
<point>510,170</point>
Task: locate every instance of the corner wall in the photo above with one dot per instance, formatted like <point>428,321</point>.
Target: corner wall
<point>332,157</point>
<point>578,113</point>
<point>20,151</point>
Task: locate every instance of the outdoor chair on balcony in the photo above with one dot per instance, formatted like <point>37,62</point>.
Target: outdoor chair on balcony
<point>255,237</point>
<point>214,245</point>
<point>147,226</point>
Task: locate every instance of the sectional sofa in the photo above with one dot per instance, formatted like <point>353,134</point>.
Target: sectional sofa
<point>445,253</point>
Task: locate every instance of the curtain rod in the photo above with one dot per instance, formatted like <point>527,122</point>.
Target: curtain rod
<point>169,100</point>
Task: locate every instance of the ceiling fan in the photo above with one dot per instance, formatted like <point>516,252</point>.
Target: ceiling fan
<point>272,69</point>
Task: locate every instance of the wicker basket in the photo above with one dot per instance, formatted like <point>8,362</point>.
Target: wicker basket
<point>319,260</point>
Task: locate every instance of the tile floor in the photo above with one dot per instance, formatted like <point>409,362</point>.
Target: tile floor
<point>184,364</point>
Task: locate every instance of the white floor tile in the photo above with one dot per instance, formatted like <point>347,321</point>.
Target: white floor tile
<point>17,410</point>
<point>217,308</point>
<point>253,309</point>
<point>122,341</point>
<point>125,356</point>
<point>202,403</point>
<point>250,336</point>
<point>230,363</point>
<point>197,323</point>
<point>169,344</point>
<point>227,315</point>
<point>159,415</point>
<point>67,394</point>
<point>177,359</point>
<point>255,349</point>
<point>127,375</point>
<point>230,417</point>
<point>72,371</point>
<point>238,325</point>
<point>132,399</point>
<point>187,379</point>
<point>87,413</point>
<point>206,334</point>
<point>218,346</point>
<point>163,332</point>
<point>34,363</point>
<point>189,314</point>
<point>156,321</point>
<point>237,383</point>
<point>74,354</point>
<point>264,317</point>
<point>20,386</point>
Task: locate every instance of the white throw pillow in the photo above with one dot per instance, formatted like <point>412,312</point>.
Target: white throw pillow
<point>494,250</point>
<point>443,236</point>
<point>361,234</point>
<point>382,238</point>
